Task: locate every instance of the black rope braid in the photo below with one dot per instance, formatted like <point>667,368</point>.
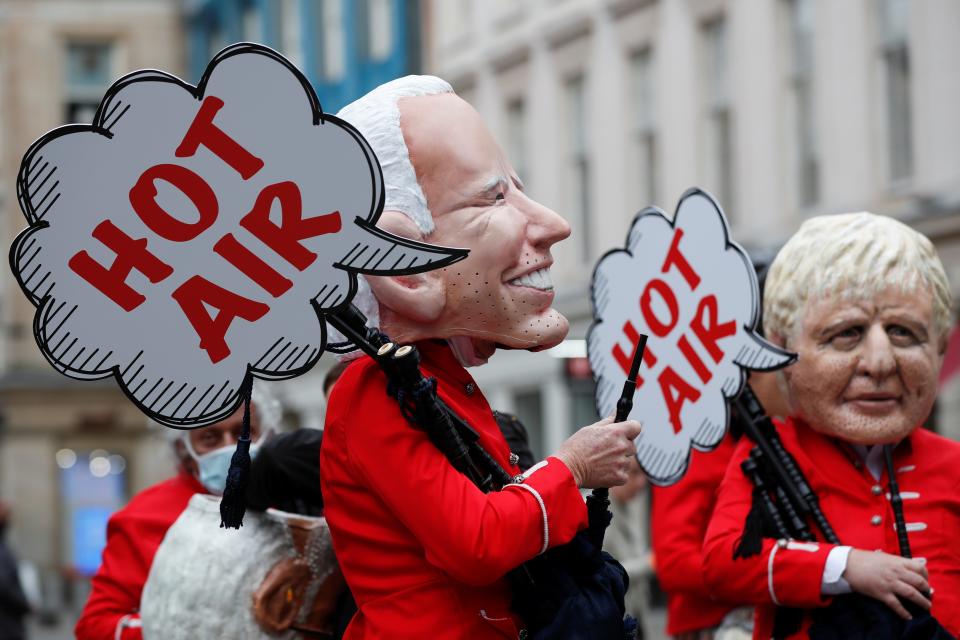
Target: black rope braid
<point>896,501</point>
<point>499,476</point>
<point>783,476</point>
<point>420,405</point>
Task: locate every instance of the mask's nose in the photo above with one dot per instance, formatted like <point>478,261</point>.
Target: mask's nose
<point>877,359</point>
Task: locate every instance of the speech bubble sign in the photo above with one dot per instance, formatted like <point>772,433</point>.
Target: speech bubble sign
<point>694,292</point>
<point>191,235</point>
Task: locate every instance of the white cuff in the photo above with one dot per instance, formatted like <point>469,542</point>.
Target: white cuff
<point>129,621</point>
<point>833,583</point>
<point>529,472</point>
<point>773,554</point>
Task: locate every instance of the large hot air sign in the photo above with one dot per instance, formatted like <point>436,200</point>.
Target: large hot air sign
<point>195,235</point>
<point>685,284</point>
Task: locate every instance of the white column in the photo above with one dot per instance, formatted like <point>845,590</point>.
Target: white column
<point>935,52</point>
<point>678,101</point>
<point>847,108</point>
<point>755,80</point>
<point>556,413</point>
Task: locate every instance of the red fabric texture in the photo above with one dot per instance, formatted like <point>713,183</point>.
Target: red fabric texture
<point>423,550</point>
<point>133,535</point>
<point>951,358</point>
<point>679,519</point>
<point>929,479</point>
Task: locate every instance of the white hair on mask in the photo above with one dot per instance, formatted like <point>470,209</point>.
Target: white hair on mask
<point>854,256</point>
<point>377,117</point>
<point>267,406</point>
<point>262,401</point>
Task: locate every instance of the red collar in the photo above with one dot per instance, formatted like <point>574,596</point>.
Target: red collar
<point>811,440</point>
<point>436,355</point>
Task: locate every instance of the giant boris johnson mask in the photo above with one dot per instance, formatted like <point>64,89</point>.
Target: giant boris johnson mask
<point>864,301</point>
<point>448,180</point>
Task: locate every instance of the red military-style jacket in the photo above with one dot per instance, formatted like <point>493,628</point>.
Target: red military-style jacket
<point>858,508</point>
<point>679,519</point>
<point>133,535</point>
<point>423,550</point>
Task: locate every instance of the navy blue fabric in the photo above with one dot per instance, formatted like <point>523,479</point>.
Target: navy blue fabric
<point>856,617</point>
<point>577,591</point>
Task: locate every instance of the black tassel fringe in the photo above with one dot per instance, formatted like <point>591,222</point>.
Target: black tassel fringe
<point>751,541</point>
<point>233,505</point>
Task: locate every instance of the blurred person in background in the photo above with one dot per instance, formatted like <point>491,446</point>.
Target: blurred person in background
<point>135,532</point>
<point>625,540</point>
<point>331,377</point>
<point>679,519</point>
<point>13,602</point>
<point>517,439</point>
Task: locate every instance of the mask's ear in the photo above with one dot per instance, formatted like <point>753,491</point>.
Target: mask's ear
<point>417,298</point>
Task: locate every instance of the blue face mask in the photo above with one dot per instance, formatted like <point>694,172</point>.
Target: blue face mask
<point>214,465</point>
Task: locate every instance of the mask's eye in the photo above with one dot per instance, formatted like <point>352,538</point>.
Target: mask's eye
<point>846,337</point>
<point>207,440</point>
<point>500,196</point>
<point>902,336</point>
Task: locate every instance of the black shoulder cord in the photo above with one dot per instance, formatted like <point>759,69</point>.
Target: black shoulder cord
<point>419,403</point>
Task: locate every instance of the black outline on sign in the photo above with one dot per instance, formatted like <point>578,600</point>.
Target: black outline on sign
<point>749,328</point>
<point>109,113</point>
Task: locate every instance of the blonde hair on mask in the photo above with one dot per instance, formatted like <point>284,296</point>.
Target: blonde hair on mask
<point>855,256</point>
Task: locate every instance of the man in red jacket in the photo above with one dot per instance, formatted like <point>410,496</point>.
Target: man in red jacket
<point>135,532</point>
<point>678,520</point>
<point>868,318</point>
<point>424,551</point>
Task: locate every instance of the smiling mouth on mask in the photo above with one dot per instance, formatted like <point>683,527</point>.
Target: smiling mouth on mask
<point>539,279</point>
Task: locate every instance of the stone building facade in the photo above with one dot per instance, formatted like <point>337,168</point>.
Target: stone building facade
<point>783,109</point>
<point>70,452</point>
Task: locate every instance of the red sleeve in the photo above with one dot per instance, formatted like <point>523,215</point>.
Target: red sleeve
<point>788,574</point>
<point>474,537</point>
<point>133,535</point>
<point>679,521</point>
<point>115,589</point>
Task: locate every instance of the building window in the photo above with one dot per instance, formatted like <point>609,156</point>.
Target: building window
<point>895,61</point>
<point>517,137</point>
<point>89,73</point>
<point>332,45</point>
<point>91,487</point>
<point>644,125</point>
<point>529,410</point>
<point>718,125</point>
<point>578,159</point>
<point>252,25</point>
<point>376,19</point>
<point>800,78</point>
